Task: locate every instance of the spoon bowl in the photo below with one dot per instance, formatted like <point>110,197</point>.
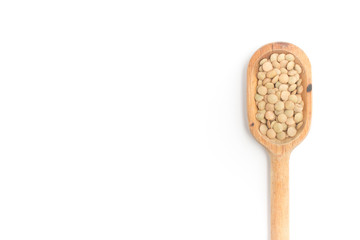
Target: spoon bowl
<point>273,145</point>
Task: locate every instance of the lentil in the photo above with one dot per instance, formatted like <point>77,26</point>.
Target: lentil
<point>271,133</point>
<point>291,131</point>
<point>267,66</point>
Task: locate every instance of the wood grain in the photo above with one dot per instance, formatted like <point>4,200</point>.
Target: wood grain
<point>279,150</point>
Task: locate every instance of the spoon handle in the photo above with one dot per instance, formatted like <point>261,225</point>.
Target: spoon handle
<point>279,196</point>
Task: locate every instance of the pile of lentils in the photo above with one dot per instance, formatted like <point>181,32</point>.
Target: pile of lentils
<point>278,96</point>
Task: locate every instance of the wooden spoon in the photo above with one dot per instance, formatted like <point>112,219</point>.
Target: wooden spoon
<point>279,150</point>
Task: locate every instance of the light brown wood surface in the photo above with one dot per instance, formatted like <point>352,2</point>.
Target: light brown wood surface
<point>279,150</point>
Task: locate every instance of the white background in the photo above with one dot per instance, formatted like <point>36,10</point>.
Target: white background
<point>127,120</point>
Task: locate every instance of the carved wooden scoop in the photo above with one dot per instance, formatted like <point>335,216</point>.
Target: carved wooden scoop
<point>279,150</point>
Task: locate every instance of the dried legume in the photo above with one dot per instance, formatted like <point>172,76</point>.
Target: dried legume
<point>278,96</point>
